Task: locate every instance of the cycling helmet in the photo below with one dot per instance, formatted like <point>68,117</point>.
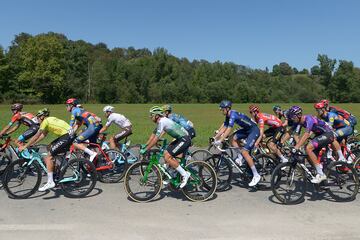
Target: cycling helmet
<point>319,105</point>
<point>167,107</point>
<point>294,111</point>
<point>325,102</point>
<point>225,104</point>
<point>156,110</point>
<point>254,109</point>
<point>72,101</point>
<point>43,112</point>
<point>276,108</point>
<point>16,106</point>
<point>108,108</point>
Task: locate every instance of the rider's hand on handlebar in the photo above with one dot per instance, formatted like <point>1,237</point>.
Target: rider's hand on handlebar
<point>217,143</point>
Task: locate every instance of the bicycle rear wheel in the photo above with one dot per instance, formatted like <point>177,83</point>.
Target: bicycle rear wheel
<point>342,181</point>
<point>78,178</point>
<point>200,155</point>
<point>223,170</point>
<point>119,166</point>
<point>202,183</point>
<point>4,162</point>
<point>142,182</point>
<point>21,180</point>
<point>288,183</point>
<point>132,153</point>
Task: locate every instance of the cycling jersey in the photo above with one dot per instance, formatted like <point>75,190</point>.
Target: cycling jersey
<point>170,127</point>
<point>340,111</point>
<point>119,120</point>
<point>313,124</point>
<point>335,120</point>
<point>84,117</point>
<point>25,118</point>
<point>181,120</point>
<point>55,126</point>
<point>268,119</point>
<point>240,119</point>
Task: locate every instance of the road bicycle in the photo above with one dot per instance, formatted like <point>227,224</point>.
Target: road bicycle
<point>145,179</point>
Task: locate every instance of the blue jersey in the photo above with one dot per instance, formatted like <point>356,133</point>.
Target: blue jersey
<point>335,120</point>
<point>240,119</point>
<point>185,123</point>
<point>83,117</point>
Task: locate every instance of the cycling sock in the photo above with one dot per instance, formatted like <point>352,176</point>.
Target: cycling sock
<point>240,156</point>
<point>319,169</point>
<point>181,170</point>
<point>341,156</point>
<point>88,151</point>
<point>50,177</point>
<point>254,171</point>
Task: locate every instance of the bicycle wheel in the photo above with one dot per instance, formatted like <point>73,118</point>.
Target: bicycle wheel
<point>77,178</point>
<point>143,183</point>
<point>21,180</point>
<point>4,162</point>
<point>132,153</point>
<point>342,181</point>
<point>265,164</point>
<point>223,170</point>
<point>288,183</point>
<point>357,166</point>
<point>202,183</point>
<point>200,155</point>
<point>213,150</point>
<point>119,166</point>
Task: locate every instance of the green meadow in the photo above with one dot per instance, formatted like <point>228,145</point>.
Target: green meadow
<point>206,117</point>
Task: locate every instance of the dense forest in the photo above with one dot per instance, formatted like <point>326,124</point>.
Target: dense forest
<point>48,68</point>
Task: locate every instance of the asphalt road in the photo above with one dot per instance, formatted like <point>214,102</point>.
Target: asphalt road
<point>235,214</point>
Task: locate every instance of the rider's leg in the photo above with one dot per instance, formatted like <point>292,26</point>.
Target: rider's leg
<point>274,148</point>
<point>312,157</point>
<point>112,143</point>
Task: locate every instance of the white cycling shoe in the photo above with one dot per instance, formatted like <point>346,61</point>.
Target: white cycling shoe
<point>254,180</point>
<point>47,186</point>
<point>318,178</point>
<point>92,157</point>
<point>185,179</point>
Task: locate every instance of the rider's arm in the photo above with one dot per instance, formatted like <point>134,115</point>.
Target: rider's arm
<point>152,136</point>
<point>227,131</point>
<point>303,139</point>
<point>285,123</point>
<point>40,135</point>
<point>103,129</point>
<point>220,131</point>
<point>13,129</point>
<point>260,137</point>
<point>152,141</point>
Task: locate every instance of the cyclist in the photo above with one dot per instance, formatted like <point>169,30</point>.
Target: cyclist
<point>188,125</point>
<point>323,136</point>
<point>93,125</point>
<point>19,118</point>
<point>61,144</point>
<point>121,121</point>
<point>249,131</point>
<point>345,114</point>
<point>342,127</point>
<point>275,129</point>
<point>177,147</point>
<point>287,123</point>
<point>281,114</point>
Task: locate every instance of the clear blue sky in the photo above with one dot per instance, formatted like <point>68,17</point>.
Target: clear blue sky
<point>255,33</point>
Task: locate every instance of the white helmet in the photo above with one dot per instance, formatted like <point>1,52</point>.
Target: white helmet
<point>108,108</point>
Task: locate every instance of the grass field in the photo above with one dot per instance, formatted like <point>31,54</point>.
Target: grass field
<point>206,117</point>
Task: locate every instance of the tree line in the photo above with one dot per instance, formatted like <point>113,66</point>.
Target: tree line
<point>49,68</point>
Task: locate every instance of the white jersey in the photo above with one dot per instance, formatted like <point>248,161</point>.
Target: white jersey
<point>119,120</point>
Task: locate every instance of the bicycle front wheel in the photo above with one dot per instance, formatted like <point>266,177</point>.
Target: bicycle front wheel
<point>223,170</point>
<point>4,162</point>
<point>202,183</point>
<point>78,178</point>
<point>119,165</point>
<point>288,183</point>
<point>21,180</point>
<point>142,182</point>
<point>342,181</point>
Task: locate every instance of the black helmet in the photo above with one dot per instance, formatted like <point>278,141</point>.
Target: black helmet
<point>16,106</point>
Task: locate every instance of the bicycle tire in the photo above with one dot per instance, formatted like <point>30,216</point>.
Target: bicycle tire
<point>200,155</point>
<point>223,170</point>
<point>132,153</point>
<point>4,162</point>
<point>284,173</point>
<point>119,166</point>
<point>202,183</point>
<point>134,179</point>
<point>21,167</point>
<point>84,173</point>
<point>265,164</point>
<point>338,174</point>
